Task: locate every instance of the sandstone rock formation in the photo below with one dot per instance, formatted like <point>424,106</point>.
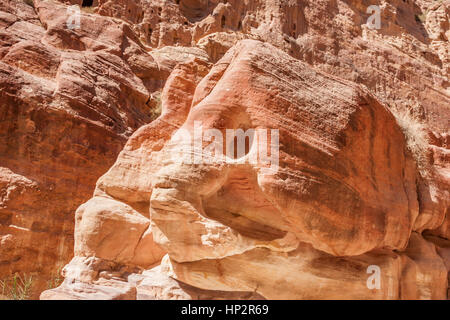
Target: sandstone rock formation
<point>363,118</point>
<point>342,200</point>
<point>69,99</point>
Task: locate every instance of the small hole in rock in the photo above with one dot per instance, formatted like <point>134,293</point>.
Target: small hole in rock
<point>223,21</point>
<point>87,3</point>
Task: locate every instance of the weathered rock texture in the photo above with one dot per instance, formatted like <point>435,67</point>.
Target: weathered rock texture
<point>69,99</point>
<point>363,119</point>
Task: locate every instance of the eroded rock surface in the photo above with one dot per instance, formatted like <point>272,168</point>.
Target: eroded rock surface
<point>69,99</point>
<point>343,199</point>
<point>363,119</point>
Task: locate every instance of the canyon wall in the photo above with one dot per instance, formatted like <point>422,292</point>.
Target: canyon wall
<point>363,174</point>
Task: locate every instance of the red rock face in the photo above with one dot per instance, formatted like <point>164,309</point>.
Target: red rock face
<point>362,116</point>
<point>304,231</point>
<point>69,101</point>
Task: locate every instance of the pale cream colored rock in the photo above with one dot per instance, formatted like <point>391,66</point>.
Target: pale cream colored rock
<point>418,273</point>
<point>92,278</point>
<point>157,285</point>
<point>304,273</point>
<point>111,230</point>
<point>97,279</point>
<point>323,176</point>
<point>342,203</point>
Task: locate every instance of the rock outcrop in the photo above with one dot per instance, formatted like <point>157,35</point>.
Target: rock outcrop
<point>69,100</point>
<point>343,200</point>
<point>361,182</point>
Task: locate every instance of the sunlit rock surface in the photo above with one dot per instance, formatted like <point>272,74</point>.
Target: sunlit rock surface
<point>363,119</point>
